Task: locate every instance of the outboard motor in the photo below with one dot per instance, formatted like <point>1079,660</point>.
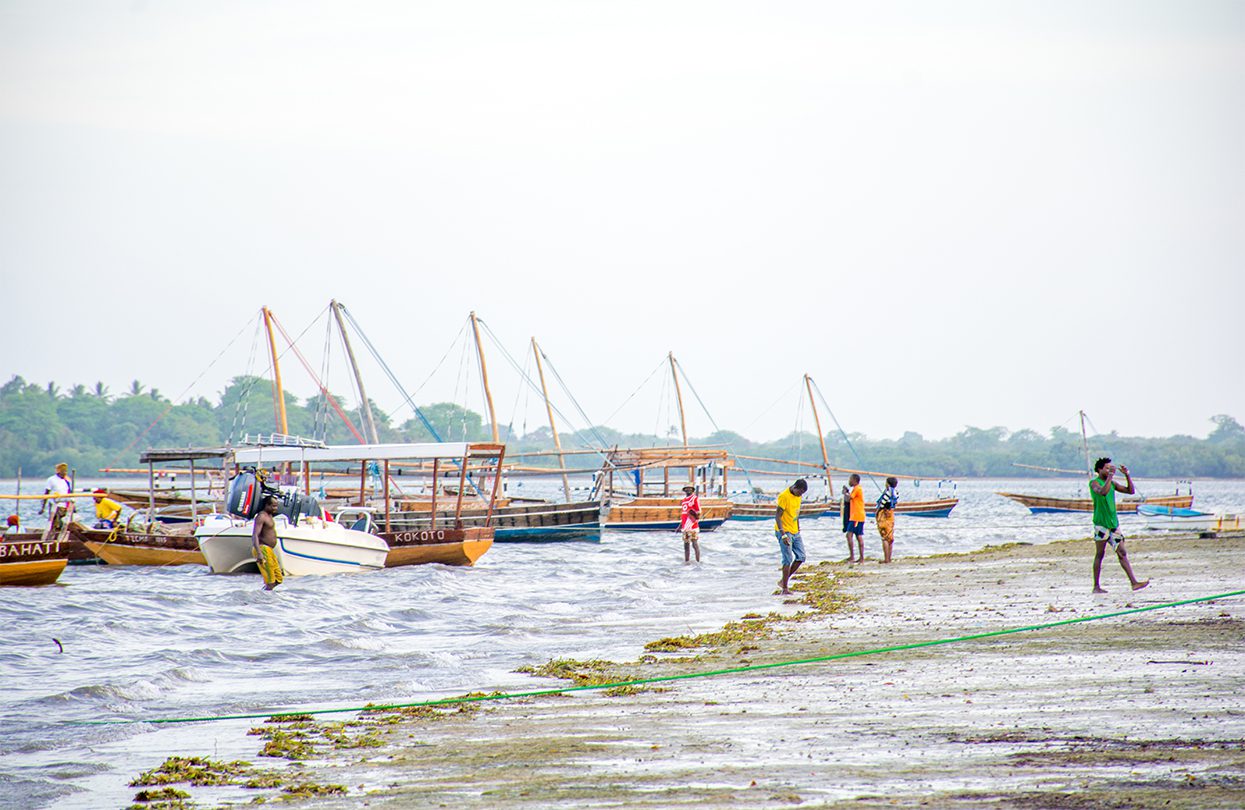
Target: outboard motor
<point>249,489</point>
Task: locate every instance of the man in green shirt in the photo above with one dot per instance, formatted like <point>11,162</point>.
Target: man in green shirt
<point>1107,521</point>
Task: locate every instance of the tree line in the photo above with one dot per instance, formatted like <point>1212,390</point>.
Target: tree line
<point>91,428</point>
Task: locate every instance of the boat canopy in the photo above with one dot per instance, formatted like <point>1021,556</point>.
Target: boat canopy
<point>366,452</point>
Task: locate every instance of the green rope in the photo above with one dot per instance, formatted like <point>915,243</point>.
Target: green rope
<point>669,678</point>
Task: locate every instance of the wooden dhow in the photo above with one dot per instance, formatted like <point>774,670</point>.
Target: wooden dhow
<point>35,558</point>
<point>703,467</point>
<point>153,545</point>
<point>1041,504</point>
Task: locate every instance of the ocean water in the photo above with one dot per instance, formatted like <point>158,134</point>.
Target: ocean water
<point>141,643</point>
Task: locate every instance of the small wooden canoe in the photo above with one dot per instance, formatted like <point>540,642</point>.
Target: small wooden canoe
<point>30,561</point>
<point>1038,504</point>
<point>119,547</point>
<point>664,514</point>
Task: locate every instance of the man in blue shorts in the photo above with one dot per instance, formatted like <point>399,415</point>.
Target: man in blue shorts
<point>787,530</point>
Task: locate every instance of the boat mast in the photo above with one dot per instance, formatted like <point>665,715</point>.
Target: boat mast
<point>825,459</point>
<point>1085,444</point>
<point>278,393</point>
<point>678,393</point>
<point>488,395</point>
<point>369,424</point>
<point>557,441</point>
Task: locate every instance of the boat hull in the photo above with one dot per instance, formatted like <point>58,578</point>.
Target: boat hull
<point>308,549</point>
<point>134,548</point>
<point>525,523</point>
<point>766,510</point>
<point>444,546</point>
<point>1040,505</point>
<point>32,562</point>
<point>938,508</point>
<point>663,514</point>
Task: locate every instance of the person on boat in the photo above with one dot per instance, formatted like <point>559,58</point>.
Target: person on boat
<point>264,543</point>
<point>14,526</point>
<point>854,524</point>
<point>787,530</point>
<point>57,484</point>
<point>1107,521</point>
<point>886,516</point>
<point>107,511</point>
<point>689,524</point>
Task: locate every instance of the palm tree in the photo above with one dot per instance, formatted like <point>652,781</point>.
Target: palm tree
<point>54,390</point>
<point>136,389</point>
<point>78,391</point>
<point>101,391</point>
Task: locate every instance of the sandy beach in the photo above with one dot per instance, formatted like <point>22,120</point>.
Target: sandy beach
<point>1136,711</point>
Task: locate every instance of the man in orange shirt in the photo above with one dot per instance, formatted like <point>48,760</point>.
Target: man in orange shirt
<point>855,520</point>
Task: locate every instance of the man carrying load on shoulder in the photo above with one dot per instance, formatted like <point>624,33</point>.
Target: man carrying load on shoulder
<point>887,502</point>
<point>1107,521</point>
<point>787,530</point>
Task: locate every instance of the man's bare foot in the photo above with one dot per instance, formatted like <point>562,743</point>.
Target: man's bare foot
<point>1099,590</point>
<point>786,592</point>
<point>1139,585</point>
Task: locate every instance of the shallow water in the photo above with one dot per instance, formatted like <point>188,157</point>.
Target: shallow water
<point>142,643</point>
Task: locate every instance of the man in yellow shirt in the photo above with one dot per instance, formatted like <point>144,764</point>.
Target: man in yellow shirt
<point>787,530</point>
<point>107,511</point>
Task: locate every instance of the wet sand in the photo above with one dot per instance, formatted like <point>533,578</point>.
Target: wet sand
<point>1138,711</point>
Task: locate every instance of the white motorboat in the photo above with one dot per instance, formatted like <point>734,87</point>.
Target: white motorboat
<point>311,547</point>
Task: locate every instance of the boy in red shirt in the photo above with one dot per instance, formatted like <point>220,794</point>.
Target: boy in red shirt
<point>690,523</point>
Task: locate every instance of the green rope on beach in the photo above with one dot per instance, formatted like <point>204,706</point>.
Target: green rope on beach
<point>669,678</point>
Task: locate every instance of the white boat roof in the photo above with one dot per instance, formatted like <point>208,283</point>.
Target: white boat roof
<point>355,452</point>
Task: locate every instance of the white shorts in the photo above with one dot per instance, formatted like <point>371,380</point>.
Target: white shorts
<point>1112,536</point>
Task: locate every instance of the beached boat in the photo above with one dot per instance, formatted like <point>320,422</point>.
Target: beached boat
<point>122,546</point>
<point>1041,504</point>
<point>35,558</point>
<point>311,547</point>
<point>1174,518</point>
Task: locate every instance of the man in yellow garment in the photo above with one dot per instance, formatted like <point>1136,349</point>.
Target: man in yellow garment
<point>107,511</point>
<point>264,544</point>
<point>787,530</point>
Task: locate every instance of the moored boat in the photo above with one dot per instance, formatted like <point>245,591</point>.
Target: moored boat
<point>1175,518</point>
<point>651,513</point>
<point>938,507</point>
<point>309,548</point>
<point>120,546</point>
<point>1041,504</point>
<point>30,559</point>
<point>764,510</point>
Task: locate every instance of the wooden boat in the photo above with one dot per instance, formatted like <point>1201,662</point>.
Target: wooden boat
<point>764,510</point>
<point>651,513</point>
<point>35,558</point>
<point>939,507</point>
<point>1040,504</point>
<point>530,521</point>
<point>121,546</point>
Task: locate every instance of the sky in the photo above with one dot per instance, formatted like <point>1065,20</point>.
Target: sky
<point>946,213</point>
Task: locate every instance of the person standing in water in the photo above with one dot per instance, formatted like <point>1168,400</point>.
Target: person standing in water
<point>886,516</point>
<point>264,544</point>
<point>1102,491</point>
<point>787,530</point>
<point>690,523</point>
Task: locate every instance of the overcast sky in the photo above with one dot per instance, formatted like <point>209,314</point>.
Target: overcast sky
<point>949,214</point>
